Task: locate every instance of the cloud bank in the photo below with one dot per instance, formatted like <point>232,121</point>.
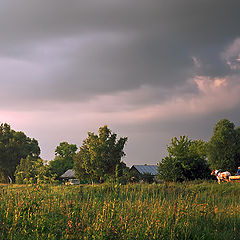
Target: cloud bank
<point>151,70</point>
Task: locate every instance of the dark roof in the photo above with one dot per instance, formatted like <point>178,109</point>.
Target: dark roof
<point>143,169</point>
<point>70,173</point>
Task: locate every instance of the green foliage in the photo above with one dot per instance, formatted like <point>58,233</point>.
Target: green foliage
<point>170,169</point>
<point>3,176</point>
<point>122,174</point>
<point>186,160</point>
<point>66,150</point>
<point>147,178</point>
<point>118,171</point>
<point>14,146</point>
<point>224,146</point>
<point>31,170</point>
<point>63,160</point>
<point>237,130</point>
<point>99,155</point>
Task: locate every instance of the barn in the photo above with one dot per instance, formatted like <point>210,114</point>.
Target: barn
<point>145,171</point>
<point>69,177</point>
<point>69,174</point>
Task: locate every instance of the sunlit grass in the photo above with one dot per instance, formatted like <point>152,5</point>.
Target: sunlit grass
<point>166,211</point>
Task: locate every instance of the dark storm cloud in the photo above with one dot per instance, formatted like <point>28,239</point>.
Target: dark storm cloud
<point>88,48</point>
<point>149,69</point>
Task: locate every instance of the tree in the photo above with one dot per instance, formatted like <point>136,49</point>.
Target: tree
<point>224,146</point>
<point>14,146</point>
<point>147,177</point>
<point>66,150</point>
<point>63,160</point>
<point>238,144</point>
<point>186,160</point>
<point>99,155</point>
<point>32,170</point>
<point>3,176</point>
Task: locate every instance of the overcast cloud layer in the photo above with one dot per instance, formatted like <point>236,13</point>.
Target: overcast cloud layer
<point>151,70</point>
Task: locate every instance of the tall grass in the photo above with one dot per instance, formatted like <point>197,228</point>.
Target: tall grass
<point>166,211</point>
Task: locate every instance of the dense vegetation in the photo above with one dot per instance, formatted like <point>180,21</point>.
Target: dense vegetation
<point>168,211</point>
<point>186,161</point>
<point>14,146</point>
<point>63,160</point>
<point>224,146</point>
<point>192,159</point>
<point>100,157</point>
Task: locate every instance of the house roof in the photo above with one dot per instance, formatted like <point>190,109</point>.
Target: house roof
<point>70,173</point>
<point>143,169</point>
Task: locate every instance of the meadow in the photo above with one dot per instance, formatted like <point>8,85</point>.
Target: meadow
<point>192,210</point>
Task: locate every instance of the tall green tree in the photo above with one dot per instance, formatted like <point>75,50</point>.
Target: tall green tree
<point>99,155</point>
<point>186,160</point>
<point>63,160</point>
<point>15,145</point>
<point>3,176</point>
<point>32,170</point>
<point>238,144</point>
<point>224,146</point>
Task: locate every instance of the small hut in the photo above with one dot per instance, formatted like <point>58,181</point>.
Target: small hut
<point>69,177</point>
<point>147,173</point>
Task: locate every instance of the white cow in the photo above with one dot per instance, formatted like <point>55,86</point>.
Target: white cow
<point>221,176</point>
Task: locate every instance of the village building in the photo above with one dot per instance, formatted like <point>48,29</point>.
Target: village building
<point>69,177</point>
<point>145,172</point>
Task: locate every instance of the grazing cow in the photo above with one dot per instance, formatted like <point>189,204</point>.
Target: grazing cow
<point>224,176</point>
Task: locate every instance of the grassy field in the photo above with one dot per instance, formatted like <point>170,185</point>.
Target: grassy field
<point>165,211</point>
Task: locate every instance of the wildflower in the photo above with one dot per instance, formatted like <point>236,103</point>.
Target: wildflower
<point>70,223</point>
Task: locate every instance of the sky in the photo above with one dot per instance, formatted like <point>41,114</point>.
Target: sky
<point>149,69</point>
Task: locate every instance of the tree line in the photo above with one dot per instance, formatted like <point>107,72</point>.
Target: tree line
<point>192,159</point>
<point>100,157</point>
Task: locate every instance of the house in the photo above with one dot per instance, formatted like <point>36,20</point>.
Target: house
<point>145,172</point>
<point>69,177</point>
<point>69,174</point>
<point>145,169</point>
